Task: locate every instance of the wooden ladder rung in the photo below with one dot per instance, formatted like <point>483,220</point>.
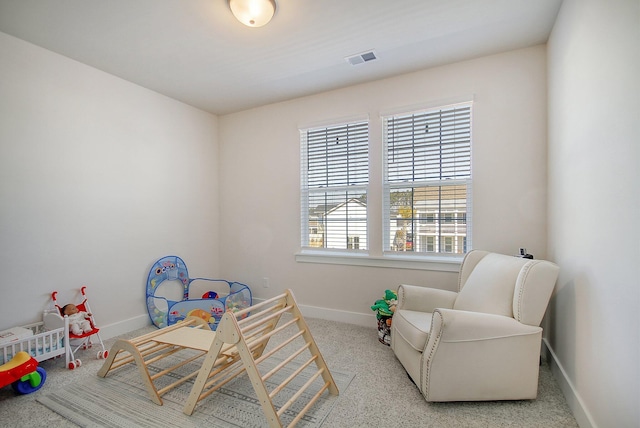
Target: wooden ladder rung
<point>257,306</point>
<point>292,376</point>
<point>263,320</point>
<point>163,355</point>
<point>265,337</point>
<point>290,358</point>
<point>278,348</point>
<point>300,392</point>
<point>177,366</point>
<point>311,402</point>
<point>216,384</point>
<point>178,382</point>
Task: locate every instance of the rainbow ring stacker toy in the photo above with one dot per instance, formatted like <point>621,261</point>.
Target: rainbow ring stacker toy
<point>23,373</point>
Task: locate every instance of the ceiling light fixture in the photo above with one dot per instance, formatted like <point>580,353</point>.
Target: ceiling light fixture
<point>253,13</point>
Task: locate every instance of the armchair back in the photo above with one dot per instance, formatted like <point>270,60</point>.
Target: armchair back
<point>505,285</point>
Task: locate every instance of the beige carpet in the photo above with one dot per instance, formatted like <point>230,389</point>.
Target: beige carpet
<point>380,395</point>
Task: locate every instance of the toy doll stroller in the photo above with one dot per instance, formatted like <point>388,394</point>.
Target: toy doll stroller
<point>76,341</point>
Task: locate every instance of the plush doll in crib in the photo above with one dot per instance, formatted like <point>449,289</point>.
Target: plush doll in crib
<point>78,320</point>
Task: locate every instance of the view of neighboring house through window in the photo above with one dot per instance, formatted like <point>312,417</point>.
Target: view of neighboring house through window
<point>335,176</point>
<point>427,187</point>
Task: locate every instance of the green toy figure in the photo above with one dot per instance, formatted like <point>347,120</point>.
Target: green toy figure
<point>384,309</point>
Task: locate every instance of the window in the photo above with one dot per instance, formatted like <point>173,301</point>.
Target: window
<point>335,176</point>
<point>427,176</point>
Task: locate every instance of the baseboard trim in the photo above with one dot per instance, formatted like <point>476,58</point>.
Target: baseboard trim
<point>121,327</point>
<point>577,406</point>
<point>357,318</point>
<point>364,320</point>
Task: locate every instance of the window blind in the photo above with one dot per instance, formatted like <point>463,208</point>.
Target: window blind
<point>338,156</point>
<point>433,145</point>
<point>335,177</point>
<point>427,198</point>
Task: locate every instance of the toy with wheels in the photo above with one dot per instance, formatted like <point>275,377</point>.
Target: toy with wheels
<point>23,373</point>
<point>172,295</point>
<point>83,341</point>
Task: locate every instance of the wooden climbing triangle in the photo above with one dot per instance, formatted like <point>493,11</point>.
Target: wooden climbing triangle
<point>238,345</point>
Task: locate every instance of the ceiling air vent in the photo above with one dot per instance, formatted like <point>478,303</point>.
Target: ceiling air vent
<point>361,58</point>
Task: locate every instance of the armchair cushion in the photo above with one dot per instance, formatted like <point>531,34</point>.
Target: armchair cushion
<point>465,326</point>
<point>414,310</point>
<point>413,326</point>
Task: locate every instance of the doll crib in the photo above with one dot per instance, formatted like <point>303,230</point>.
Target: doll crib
<point>34,339</point>
<point>172,296</point>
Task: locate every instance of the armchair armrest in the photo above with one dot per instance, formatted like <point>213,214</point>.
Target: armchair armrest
<point>451,325</point>
<point>424,299</point>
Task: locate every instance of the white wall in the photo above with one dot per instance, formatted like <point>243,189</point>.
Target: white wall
<point>594,208</point>
<point>260,177</point>
<point>98,178</point>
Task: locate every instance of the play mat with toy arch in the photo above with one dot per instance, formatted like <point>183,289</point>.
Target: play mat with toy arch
<point>172,295</point>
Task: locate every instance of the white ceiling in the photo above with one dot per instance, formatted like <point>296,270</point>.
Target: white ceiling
<point>196,52</point>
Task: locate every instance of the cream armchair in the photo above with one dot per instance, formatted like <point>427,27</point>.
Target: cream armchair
<point>482,342</point>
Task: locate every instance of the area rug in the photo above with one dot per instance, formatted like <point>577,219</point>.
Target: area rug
<point>121,400</point>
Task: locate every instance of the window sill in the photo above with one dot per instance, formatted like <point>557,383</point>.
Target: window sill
<point>442,264</point>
